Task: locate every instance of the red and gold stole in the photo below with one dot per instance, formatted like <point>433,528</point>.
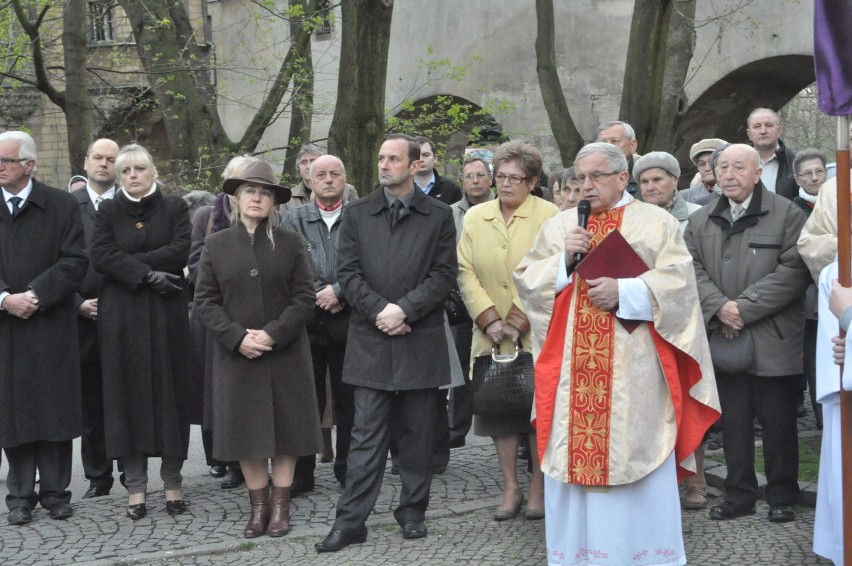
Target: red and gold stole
<point>591,384</point>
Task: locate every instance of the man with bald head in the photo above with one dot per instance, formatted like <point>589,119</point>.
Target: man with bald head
<point>318,223</point>
<point>751,282</point>
<point>100,186</point>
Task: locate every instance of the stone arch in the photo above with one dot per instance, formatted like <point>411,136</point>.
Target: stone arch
<point>721,110</point>
<point>490,131</point>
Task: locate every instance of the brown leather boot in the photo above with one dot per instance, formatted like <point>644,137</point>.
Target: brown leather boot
<point>259,512</point>
<point>279,522</point>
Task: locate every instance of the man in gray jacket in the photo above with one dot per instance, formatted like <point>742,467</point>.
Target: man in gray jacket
<point>318,223</point>
<point>751,282</point>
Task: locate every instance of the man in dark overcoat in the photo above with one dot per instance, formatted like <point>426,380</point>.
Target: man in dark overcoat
<point>100,186</point>
<point>42,262</point>
<point>396,266</point>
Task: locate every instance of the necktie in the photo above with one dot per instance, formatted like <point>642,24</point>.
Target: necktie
<point>98,202</point>
<point>737,211</point>
<point>395,212</point>
<point>16,202</point>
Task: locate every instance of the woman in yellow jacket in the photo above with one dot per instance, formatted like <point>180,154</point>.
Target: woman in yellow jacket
<point>494,239</point>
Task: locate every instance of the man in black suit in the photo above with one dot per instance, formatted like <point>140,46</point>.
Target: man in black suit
<point>100,169</point>
<point>428,180</point>
<point>396,266</point>
<point>42,263</point>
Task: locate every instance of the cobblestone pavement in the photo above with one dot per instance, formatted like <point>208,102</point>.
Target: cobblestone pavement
<point>461,529</point>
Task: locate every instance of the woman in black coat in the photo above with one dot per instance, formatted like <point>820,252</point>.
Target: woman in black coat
<point>255,295</point>
<point>141,245</point>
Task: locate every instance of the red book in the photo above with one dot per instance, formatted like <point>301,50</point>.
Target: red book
<point>613,257</point>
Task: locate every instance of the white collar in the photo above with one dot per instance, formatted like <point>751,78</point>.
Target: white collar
<point>24,194</point>
<point>93,196</point>
<point>134,199</point>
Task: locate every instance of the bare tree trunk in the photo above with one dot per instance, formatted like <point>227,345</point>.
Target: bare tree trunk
<point>660,48</point>
<point>302,97</point>
<point>78,115</point>
<point>357,128</point>
<point>177,72</point>
<point>568,139</point>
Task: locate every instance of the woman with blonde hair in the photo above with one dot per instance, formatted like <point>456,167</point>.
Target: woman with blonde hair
<point>255,295</point>
<point>141,245</point>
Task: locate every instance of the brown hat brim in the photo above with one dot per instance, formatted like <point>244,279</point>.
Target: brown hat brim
<point>282,194</point>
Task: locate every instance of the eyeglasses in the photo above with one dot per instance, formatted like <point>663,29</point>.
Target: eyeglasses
<point>472,176</point>
<point>5,161</point>
<point>595,177</point>
<point>812,173</point>
<point>500,179</point>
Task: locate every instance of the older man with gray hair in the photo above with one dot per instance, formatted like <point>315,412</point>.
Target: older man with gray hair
<point>42,263</point>
<point>622,135</point>
<point>751,282</point>
<point>303,192</point>
<point>624,383</point>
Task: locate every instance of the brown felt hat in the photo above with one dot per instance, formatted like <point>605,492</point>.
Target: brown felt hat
<point>261,173</point>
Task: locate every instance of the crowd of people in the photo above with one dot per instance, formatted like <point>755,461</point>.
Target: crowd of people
<point>650,311</point>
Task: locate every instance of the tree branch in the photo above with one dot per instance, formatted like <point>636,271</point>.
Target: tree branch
<point>32,30</point>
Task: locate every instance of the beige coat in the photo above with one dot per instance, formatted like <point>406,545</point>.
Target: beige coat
<point>488,251</point>
<point>641,423</point>
<point>818,240</point>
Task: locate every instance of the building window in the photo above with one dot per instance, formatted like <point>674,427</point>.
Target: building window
<point>100,21</point>
<point>326,23</point>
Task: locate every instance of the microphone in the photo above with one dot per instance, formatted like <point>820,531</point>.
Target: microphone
<point>583,211</point>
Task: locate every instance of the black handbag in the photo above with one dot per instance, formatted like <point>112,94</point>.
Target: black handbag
<point>456,311</point>
<point>503,384</point>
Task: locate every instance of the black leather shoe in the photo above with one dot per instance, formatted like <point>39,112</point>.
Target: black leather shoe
<point>414,530</point>
<point>300,487</point>
<point>217,470</point>
<point>782,514</point>
<point>339,539</point>
<point>457,442</point>
<point>97,490</point>
<point>395,469</point>
<point>727,511</point>
<point>19,516</point>
<point>176,507</point>
<point>60,510</point>
<point>233,478</point>
<point>137,511</point>
<point>439,469</point>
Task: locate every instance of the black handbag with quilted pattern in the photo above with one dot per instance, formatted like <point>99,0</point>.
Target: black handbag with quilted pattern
<point>503,384</point>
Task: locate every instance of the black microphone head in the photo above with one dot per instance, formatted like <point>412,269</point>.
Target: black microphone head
<point>584,208</point>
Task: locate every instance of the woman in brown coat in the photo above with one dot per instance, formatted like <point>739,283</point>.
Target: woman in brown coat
<point>255,295</point>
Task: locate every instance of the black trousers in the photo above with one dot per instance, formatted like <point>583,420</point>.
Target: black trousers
<point>773,401</point>
<point>328,348</point>
<point>96,465</point>
<point>53,461</point>
<point>409,415</point>
<point>461,398</point>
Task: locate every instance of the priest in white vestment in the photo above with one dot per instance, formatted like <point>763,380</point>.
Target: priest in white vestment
<point>618,413</point>
<point>835,302</point>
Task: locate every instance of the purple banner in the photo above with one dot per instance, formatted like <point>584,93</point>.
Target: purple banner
<point>833,55</point>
